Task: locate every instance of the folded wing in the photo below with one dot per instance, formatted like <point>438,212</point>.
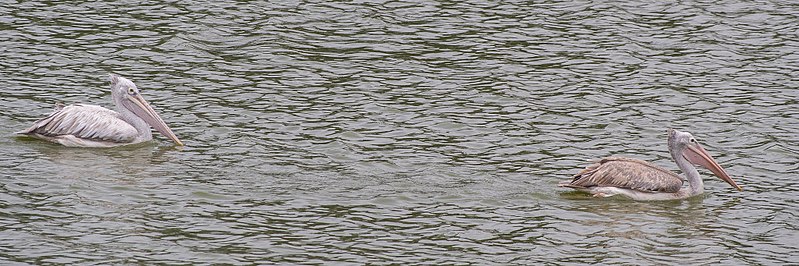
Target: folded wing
<point>85,122</point>
<point>627,173</point>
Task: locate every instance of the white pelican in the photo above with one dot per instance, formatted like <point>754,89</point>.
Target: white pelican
<point>83,125</point>
<point>641,180</point>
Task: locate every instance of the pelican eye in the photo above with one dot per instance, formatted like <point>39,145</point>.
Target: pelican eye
<point>692,140</point>
<point>131,91</point>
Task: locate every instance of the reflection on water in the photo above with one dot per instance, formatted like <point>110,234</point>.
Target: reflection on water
<point>399,132</point>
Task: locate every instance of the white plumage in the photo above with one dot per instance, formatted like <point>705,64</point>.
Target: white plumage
<point>83,125</point>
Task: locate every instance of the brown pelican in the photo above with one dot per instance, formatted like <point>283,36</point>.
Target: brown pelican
<point>83,125</point>
<point>641,180</point>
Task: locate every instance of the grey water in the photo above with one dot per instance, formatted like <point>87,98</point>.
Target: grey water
<point>400,132</point>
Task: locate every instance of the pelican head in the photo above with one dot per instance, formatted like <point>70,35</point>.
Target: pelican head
<point>126,95</point>
<point>683,144</point>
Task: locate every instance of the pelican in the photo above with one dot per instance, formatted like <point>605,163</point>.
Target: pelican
<point>84,125</point>
<point>640,180</point>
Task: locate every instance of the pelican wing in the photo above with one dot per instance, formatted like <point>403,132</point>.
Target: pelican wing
<point>627,173</point>
<point>85,122</point>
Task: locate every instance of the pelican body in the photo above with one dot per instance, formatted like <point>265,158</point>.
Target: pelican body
<point>640,180</point>
<point>84,125</point>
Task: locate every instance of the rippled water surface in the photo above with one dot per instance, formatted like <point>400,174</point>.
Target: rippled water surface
<point>400,132</point>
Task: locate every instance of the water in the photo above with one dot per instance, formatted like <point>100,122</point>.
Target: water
<point>400,132</point>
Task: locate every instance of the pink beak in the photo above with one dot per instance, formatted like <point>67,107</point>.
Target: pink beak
<point>699,156</point>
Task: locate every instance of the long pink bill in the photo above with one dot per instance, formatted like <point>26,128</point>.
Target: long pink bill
<point>699,156</point>
<point>142,109</point>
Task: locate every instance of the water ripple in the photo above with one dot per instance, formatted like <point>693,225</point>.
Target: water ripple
<point>400,132</point>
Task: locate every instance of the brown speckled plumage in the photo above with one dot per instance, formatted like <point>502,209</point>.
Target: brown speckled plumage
<point>626,173</point>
